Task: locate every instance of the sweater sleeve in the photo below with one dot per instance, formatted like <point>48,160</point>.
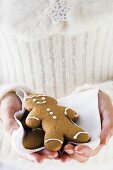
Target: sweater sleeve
<point>106,87</point>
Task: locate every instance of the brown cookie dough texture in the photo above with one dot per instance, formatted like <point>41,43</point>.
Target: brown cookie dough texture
<point>56,121</point>
<point>33,138</point>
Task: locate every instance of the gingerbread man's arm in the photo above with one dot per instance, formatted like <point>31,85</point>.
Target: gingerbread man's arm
<point>32,120</point>
<point>71,114</point>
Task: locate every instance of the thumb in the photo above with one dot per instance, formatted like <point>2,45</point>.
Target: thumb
<point>10,125</point>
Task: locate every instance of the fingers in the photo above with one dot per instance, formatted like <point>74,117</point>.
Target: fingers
<point>82,150</point>
<point>106,113</point>
<point>75,154</point>
<point>106,125</point>
<point>48,154</point>
<point>79,158</point>
<point>105,132</point>
<point>40,156</point>
<point>69,149</point>
<point>10,125</point>
<point>64,157</point>
<point>9,105</point>
<point>87,151</point>
<point>37,157</point>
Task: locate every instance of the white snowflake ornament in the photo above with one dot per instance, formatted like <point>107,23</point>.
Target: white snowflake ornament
<point>57,12</point>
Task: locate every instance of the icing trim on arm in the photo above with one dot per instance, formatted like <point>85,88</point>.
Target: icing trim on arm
<point>65,112</point>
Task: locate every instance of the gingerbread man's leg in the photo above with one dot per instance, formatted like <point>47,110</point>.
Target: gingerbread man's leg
<point>33,139</point>
<point>76,134</point>
<point>32,120</point>
<point>53,141</point>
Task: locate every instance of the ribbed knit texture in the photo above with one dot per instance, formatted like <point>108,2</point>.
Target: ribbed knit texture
<point>58,64</point>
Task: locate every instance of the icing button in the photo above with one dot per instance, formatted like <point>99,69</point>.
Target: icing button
<point>54,117</point>
<point>51,113</point>
<point>48,109</point>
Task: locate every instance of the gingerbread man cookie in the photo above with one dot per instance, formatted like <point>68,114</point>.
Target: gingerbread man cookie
<point>57,121</point>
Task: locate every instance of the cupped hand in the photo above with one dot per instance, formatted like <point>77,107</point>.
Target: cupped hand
<point>82,153</point>
<point>9,105</point>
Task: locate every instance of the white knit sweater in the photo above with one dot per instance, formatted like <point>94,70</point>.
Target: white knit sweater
<point>55,58</point>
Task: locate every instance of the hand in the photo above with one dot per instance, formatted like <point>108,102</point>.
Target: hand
<point>82,153</point>
<point>9,105</point>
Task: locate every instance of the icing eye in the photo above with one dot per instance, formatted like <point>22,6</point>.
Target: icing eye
<point>34,100</point>
<point>43,98</point>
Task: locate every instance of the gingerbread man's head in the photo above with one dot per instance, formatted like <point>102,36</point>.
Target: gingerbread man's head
<point>38,100</point>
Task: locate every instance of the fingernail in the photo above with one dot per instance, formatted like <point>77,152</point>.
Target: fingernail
<point>69,151</point>
<point>68,159</point>
<point>40,161</point>
<point>79,152</point>
<point>107,139</point>
<point>49,156</point>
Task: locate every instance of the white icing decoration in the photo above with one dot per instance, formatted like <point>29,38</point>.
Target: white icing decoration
<point>53,139</point>
<point>33,118</point>
<point>51,113</point>
<point>43,98</point>
<point>54,117</point>
<point>66,111</point>
<point>34,100</point>
<point>30,97</point>
<point>75,137</point>
<point>76,114</point>
<point>48,109</point>
<point>41,102</point>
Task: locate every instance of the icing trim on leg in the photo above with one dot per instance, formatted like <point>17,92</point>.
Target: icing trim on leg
<point>54,139</point>
<point>65,112</point>
<point>33,118</point>
<point>75,137</point>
